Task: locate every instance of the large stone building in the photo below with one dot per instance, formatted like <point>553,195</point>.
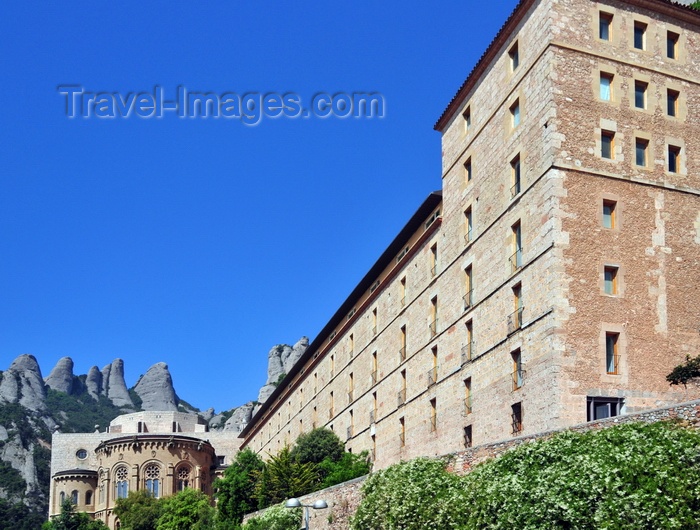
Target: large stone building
<point>555,279</point>
<point>162,452</point>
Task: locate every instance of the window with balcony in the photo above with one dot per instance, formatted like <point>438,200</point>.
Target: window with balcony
<point>402,390</point>
<point>612,356</point>
<point>374,372</point>
<point>433,317</point>
<point>468,288</point>
<point>515,319</point>
<point>516,257</point>
<point>515,176</point>
<point>433,415</point>
<point>468,348</point>
<point>468,396</point>
<point>402,291</point>
<point>433,372</point>
<point>433,260</point>
<point>402,349</point>
<point>402,431</point>
<point>517,369</point>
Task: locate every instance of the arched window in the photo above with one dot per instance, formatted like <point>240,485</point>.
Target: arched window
<point>152,476</point>
<point>184,479</point>
<point>88,497</point>
<point>62,497</point>
<point>121,482</point>
<point>74,497</point>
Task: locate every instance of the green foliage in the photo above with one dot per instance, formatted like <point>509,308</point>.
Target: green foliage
<point>42,464</point>
<point>280,379</point>
<point>275,518</point>
<point>234,491</point>
<point>189,509</point>
<point>17,516</point>
<point>15,419</point>
<point>318,445</point>
<point>349,466</point>
<point>138,511</point>
<point>69,519</point>
<point>629,477</point>
<point>284,477</point>
<point>135,398</point>
<point>683,373</point>
<point>695,5</point>
<point>82,411</point>
<point>411,496</point>
<point>11,481</point>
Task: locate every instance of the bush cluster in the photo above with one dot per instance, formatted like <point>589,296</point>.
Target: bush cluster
<point>635,476</point>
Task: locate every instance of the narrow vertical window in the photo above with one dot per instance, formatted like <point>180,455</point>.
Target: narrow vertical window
<point>351,341</point>
<point>433,259</point>
<point>674,157</point>
<point>402,390</point>
<point>468,169</point>
<point>640,94</point>
<point>374,374</point>
<point>515,322</point>
<point>641,146</point>
<point>468,348</point>
<point>433,316</point>
<point>611,353</point>
<point>606,86</point>
<point>609,214</point>
<point>433,415</point>
<point>402,432</point>
<point>332,362</point>
<point>640,35</point>
<point>514,57</point>
<point>468,296</point>
<point>467,115</point>
<point>516,258</point>
<point>610,279</point>
<point>433,373</point>
<point>402,350</point>
<point>351,388</point>
<point>468,436</point>
<point>672,45</point>
<point>517,369</point>
<point>402,291</point>
<point>605,26</point>
<point>375,405</point>
<point>672,102</point>
<point>517,418</point>
<point>515,176</point>
<point>331,405</point>
<point>607,144</point>
<point>468,395</point>
<point>515,114</point>
<point>468,225</point>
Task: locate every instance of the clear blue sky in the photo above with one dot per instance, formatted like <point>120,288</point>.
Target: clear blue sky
<point>204,242</point>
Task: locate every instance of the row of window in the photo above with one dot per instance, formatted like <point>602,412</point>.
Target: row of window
<point>640,30</point>
<point>642,151</point>
<point>607,92</point>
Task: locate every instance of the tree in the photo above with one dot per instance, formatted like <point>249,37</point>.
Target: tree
<point>284,477</point>
<point>138,511</point>
<point>275,518</point>
<point>683,373</point>
<point>318,445</point>
<point>235,491</point>
<point>695,5</point>
<point>349,466</point>
<point>69,519</point>
<point>189,509</point>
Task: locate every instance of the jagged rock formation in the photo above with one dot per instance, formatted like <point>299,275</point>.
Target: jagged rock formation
<point>280,360</point>
<point>93,382</point>
<point>240,418</point>
<point>155,388</point>
<point>61,377</point>
<point>22,383</point>
<point>114,386</point>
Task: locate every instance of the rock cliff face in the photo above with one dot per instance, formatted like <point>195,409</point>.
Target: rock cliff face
<point>155,388</point>
<point>61,377</point>
<point>114,386</point>
<point>280,360</point>
<point>22,383</point>
<point>93,382</point>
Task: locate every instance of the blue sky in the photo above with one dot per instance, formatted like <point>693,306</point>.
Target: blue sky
<point>204,242</point>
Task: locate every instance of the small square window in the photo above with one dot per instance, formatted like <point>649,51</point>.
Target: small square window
<point>606,86</point>
<point>468,169</point>
<point>605,26</point>
<point>514,57</point>
<point>467,115</point>
<point>600,408</point>
<point>672,102</point>
<point>609,214</point>
<point>641,146</point>
<point>607,144</point>
<point>640,94</point>
<point>612,362</point>
<point>672,45</point>
<point>515,114</point>
<point>640,35</point>
<point>610,280</point>
<point>674,158</point>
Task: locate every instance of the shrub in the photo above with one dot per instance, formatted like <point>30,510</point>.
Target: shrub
<point>275,518</point>
<point>318,445</point>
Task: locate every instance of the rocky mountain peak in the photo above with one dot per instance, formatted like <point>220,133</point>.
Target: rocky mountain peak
<point>155,388</point>
<point>22,383</point>
<point>114,386</point>
<point>61,377</point>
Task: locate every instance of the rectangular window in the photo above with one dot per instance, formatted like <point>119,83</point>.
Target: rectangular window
<point>468,297</point>
<point>433,259</point>
<point>468,436</point>
<point>611,353</point>
<point>433,415</point>
<point>607,144</point>
<point>515,114</point>
<point>514,57</point>
<point>517,369</point>
<point>434,316</point>
<point>374,373</point>
<point>332,361</point>
<point>515,176</point>
<point>374,321</point>
<point>609,216</point>
<point>468,224</point>
<point>468,169</point>
<point>606,86</point>
<point>672,45</point>
<point>468,395</point>
<point>402,432</point>
<point>468,348</point>
<point>515,319</point>
<point>516,417</point>
<point>467,115</point>
<point>672,102</point>
<point>433,372</point>
<point>600,408</point>
<point>516,258</point>
<point>402,391</point>
<point>402,292</point>
<point>605,26</point>
<point>610,279</point>
<point>674,158</point>
<point>640,35</point>
<point>640,94</point>
<point>402,350</point>
<point>641,146</point>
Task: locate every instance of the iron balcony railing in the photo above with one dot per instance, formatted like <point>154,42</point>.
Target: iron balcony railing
<point>349,432</point>
<point>402,397</point>
<point>373,377</point>
<point>468,405</point>
<point>432,375</point>
<point>468,236</point>
<point>467,353</point>
<point>402,354</point>
<point>517,378</point>
<point>350,396</point>
<point>515,320</point>
<point>516,260</point>
<point>468,299</point>
<point>433,328</point>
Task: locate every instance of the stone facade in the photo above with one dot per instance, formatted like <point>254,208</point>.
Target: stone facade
<point>162,452</point>
<point>550,282</point>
